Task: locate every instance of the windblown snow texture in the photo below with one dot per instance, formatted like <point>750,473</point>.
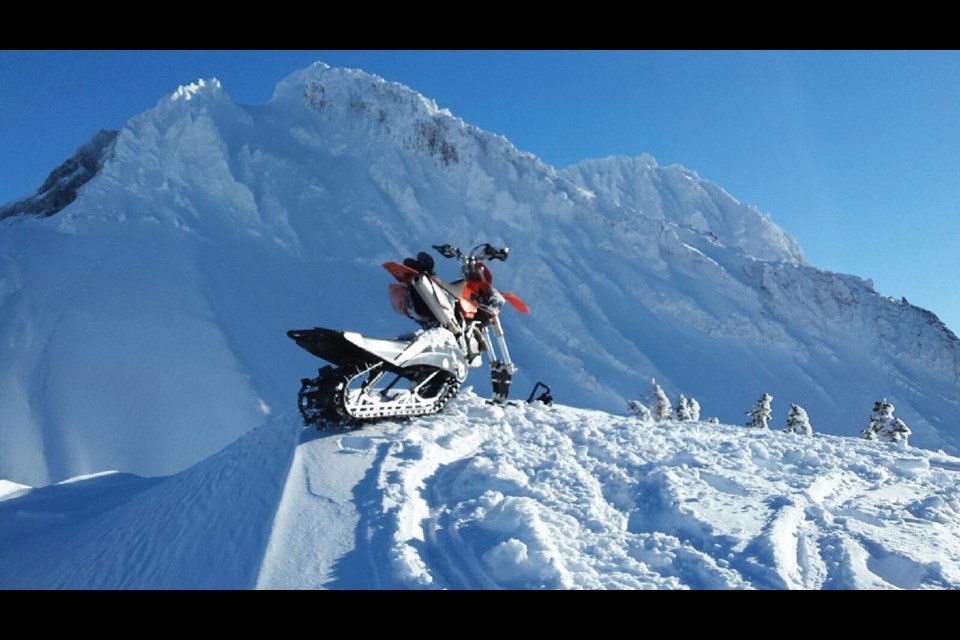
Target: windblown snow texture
<point>204,528</point>
<point>142,327</point>
<point>489,497</point>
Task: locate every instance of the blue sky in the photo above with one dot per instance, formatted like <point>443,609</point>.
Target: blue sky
<point>856,154</point>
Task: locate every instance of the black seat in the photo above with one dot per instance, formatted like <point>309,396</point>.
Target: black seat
<point>423,263</point>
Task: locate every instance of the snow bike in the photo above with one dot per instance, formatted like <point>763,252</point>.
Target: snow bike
<point>371,378</point>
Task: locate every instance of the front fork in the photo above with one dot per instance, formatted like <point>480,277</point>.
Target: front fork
<point>501,370</point>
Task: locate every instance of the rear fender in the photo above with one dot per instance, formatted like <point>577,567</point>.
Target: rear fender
<point>401,272</point>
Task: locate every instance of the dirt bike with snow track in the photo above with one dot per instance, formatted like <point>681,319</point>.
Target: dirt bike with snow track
<point>415,375</point>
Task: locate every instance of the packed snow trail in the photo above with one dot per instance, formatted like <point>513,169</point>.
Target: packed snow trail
<point>535,497</point>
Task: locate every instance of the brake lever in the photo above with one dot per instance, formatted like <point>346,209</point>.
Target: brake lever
<point>447,251</point>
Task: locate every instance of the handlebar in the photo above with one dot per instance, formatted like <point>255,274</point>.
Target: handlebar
<point>480,252</point>
<point>447,251</point>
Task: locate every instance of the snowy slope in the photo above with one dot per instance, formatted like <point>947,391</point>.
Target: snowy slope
<point>491,497</point>
<point>142,327</point>
<point>204,528</point>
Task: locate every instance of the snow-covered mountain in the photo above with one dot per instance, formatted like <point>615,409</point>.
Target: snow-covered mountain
<point>491,497</point>
<point>61,186</point>
<point>142,326</point>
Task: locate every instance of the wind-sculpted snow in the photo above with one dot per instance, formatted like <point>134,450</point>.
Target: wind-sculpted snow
<point>204,528</point>
<point>143,326</point>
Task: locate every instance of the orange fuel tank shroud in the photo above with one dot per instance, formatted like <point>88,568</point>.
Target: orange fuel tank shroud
<point>404,275</point>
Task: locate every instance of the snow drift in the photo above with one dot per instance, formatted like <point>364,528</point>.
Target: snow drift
<point>142,327</point>
<point>491,497</point>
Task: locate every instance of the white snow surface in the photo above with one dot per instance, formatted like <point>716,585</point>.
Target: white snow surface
<point>142,328</point>
<point>11,489</point>
<point>493,497</point>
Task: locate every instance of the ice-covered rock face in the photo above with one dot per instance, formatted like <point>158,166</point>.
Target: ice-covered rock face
<point>144,325</point>
<point>61,186</point>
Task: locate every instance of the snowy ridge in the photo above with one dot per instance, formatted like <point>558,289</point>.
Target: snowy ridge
<point>629,187</point>
<point>61,186</point>
<point>143,327</point>
<point>911,333</point>
<point>204,528</point>
<point>359,101</point>
<point>190,91</point>
<point>492,497</point>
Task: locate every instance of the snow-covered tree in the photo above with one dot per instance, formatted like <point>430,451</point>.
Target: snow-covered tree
<point>681,412</point>
<point>884,425</point>
<point>640,410</point>
<point>760,414</point>
<point>896,430</point>
<point>873,427</point>
<point>713,420</point>
<point>694,407</point>
<point>798,422</point>
<point>661,405</point>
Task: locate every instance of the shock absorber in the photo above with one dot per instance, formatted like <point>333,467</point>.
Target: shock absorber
<point>501,371</point>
